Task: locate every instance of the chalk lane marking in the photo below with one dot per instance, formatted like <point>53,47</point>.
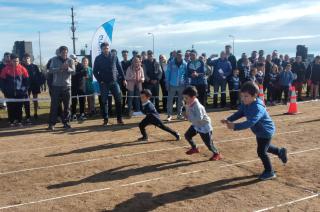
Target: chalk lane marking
<point>132,154</point>
<point>138,182</point>
<point>99,141</point>
<point>289,203</point>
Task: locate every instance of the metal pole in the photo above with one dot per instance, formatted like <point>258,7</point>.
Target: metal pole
<point>231,36</point>
<point>150,33</point>
<point>40,50</point>
<point>153,43</point>
<point>73,29</point>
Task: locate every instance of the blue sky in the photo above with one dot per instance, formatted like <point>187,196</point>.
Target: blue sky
<point>177,24</point>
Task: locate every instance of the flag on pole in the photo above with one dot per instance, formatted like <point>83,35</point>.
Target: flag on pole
<point>103,34</point>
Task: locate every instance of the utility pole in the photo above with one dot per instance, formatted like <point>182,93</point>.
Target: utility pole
<point>73,29</point>
<point>232,36</point>
<point>150,33</point>
<point>40,50</point>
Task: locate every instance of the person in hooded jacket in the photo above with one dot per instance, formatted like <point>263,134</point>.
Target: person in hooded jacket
<point>14,83</point>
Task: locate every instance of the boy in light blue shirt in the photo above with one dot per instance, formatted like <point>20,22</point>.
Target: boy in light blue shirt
<point>201,123</point>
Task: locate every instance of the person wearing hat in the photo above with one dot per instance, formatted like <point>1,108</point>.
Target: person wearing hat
<point>152,74</point>
<point>109,73</point>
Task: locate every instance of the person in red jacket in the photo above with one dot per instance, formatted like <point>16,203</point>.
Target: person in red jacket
<point>14,82</point>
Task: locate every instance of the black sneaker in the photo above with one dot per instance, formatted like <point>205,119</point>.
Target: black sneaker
<point>143,139</point>
<point>178,137</point>
<point>28,121</point>
<point>66,126</point>
<point>50,128</point>
<point>283,155</point>
<point>105,122</point>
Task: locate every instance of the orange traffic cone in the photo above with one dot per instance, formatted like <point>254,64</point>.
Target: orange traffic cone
<point>261,94</point>
<point>293,107</point>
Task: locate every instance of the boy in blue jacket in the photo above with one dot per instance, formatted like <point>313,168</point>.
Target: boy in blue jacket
<point>152,117</point>
<point>261,125</point>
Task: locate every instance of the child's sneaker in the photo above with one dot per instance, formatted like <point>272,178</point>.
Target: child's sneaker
<point>216,156</point>
<point>169,118</point>
<point>267,175</point>
<point>180,117</point>
<point>83,117</point>
<point>178,137</point>
<point>192,151</point>
<point>143,139</point>
<point>283,155</point>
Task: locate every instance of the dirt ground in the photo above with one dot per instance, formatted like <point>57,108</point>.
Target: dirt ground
<point>92,168</point>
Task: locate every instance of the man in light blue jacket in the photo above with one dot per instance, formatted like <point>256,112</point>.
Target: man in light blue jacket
<point>175,82</point>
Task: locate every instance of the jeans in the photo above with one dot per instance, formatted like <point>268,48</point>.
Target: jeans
<point>151,119</point>
<point>234,96</point>
<point>164,95</point>
<point>114,88</point>
<point>202,93</point>
<point>75,93</point>
<point>135,100</point>
<point>171,94</point>
<point>14,110</point>
<point>206,138</point>
<point>264,147</point>
<point>59,93</point>
<point>285,90</point>
<point>219,84</point>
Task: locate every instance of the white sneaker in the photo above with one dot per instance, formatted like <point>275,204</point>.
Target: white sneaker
<point>169,118</point>
<point>139,113</point>
<point>75,118</point>
<point>180,117</point>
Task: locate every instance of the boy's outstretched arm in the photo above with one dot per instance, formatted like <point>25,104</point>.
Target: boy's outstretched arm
<point>255,116</point>
<point>237,115</point>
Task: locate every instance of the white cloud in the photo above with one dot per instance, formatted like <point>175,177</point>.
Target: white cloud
<point>296,37</point>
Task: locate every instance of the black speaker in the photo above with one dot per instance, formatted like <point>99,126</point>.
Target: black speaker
<point>302,51</point>
<point>22,47</point>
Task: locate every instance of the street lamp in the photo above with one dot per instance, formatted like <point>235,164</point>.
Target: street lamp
<point>150,33</point>
<point>231,36</point>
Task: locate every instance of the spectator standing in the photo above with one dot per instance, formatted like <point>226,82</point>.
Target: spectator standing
<point>108,73</point>
<point>153,75</point>
<point>163,67</point>
<point>36,79</point>
<point>61,68</point>
<point>78,89</point>
<point>197,76</point>
<point>14,80</point>
<point>135,78</point>
<point>175,82</point>
<point>285,81</point>
<point>222,70</point>
<point>299,73</point>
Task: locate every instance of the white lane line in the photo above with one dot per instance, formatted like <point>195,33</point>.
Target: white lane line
<point>289,203</point>
<point>133,154</point>
<point>99,141</point>
<point>138,182</point>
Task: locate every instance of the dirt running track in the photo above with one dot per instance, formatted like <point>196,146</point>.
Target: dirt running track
<point>91,168</point>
